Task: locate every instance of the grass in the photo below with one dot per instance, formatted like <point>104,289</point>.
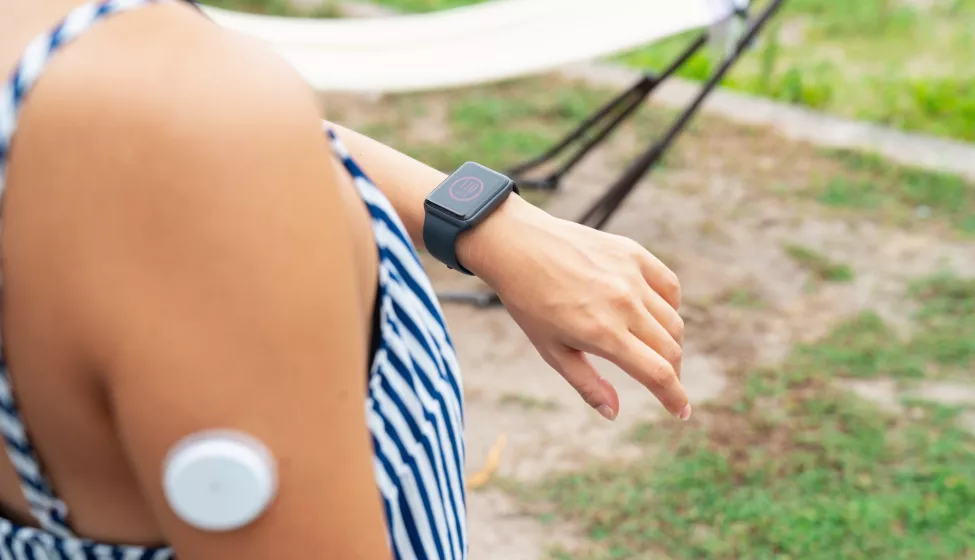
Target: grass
<point>857,59</point>
<point>506,128</point>
<point>819,265</point>
<point>526,402</point>
<point>790,466</point>
<point>745,297</point>
<point>328,8</point>
<point>421,6</point>
<point>426,5</point>
<point>873,185</point>
<point>947,320</point>
<point>532,119</point>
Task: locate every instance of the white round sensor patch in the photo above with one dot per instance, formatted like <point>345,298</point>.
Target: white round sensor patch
<point>219,480</point>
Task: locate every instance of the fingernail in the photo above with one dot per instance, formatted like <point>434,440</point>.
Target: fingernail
<point>606,412</point>
<point>686,413</point>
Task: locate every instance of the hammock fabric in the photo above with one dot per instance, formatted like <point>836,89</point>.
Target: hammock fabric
<point>480,43</point>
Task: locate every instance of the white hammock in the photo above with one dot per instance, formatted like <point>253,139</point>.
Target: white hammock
<point>491,41</point>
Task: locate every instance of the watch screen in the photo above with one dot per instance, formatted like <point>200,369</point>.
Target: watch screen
<point>467,190</point>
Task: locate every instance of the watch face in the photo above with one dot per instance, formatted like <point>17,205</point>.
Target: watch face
<point>468,190</point>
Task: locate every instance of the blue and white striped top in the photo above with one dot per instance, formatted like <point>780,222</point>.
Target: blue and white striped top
<point>414,404</point>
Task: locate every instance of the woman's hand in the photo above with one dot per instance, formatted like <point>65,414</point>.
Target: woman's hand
<point>574,291</point>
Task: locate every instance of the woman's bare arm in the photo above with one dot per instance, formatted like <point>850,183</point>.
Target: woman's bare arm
<point>219,291</point>
<point>572,289</point>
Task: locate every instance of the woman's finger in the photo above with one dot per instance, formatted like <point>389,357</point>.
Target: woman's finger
<point>663,280</point>
<point>651,370</point>
<point>667,316</point>
<point>648,330</point>
<point>576,368</point>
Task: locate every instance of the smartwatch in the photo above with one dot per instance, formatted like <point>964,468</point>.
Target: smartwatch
<point>461,202</point>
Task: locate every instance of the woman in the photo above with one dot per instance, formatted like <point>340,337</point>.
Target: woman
<point>181,251</point>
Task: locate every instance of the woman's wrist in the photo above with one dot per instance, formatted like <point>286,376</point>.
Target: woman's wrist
<point>482,249</point>
<point>407,182</point>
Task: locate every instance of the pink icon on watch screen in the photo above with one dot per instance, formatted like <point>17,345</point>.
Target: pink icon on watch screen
<point>466,188</point>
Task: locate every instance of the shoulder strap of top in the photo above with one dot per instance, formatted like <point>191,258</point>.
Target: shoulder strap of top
<point>50,512</point>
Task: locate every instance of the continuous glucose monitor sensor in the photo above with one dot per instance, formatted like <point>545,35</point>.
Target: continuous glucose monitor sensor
<point>219,480</point>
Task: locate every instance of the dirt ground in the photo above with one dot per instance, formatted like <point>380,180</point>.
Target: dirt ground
<point>713,215</point>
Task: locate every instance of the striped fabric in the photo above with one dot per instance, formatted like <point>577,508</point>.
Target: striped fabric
<point>414,407</point>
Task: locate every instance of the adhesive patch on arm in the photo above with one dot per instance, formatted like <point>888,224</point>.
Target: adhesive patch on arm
<point>219,480</point>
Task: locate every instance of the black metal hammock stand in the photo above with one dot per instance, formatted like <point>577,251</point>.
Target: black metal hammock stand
<point>597,127</point>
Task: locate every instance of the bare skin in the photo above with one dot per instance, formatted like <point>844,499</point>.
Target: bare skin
<point>150,300</point>
<point>180,251</point>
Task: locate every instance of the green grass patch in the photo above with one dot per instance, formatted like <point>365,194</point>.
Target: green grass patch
<point>526,402</point>
<point>880,188</point>
<point>863,347</point>
<point>746,297</point>
<point>426,5</point>
<point>500,125</point>
<point>947,321</point>
<point>789,466</point>
<point>505,127</point>
<point>942,342</point>
<point>856,59</point>
<point>819,265</point>
<point>328,9</point>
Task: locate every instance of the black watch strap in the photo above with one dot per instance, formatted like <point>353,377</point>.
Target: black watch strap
<point>440,238</point>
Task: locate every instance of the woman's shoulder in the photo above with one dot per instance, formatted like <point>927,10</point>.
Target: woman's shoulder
<point>141,76</point>
<point>158,96</point>
<point>154,124</point>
